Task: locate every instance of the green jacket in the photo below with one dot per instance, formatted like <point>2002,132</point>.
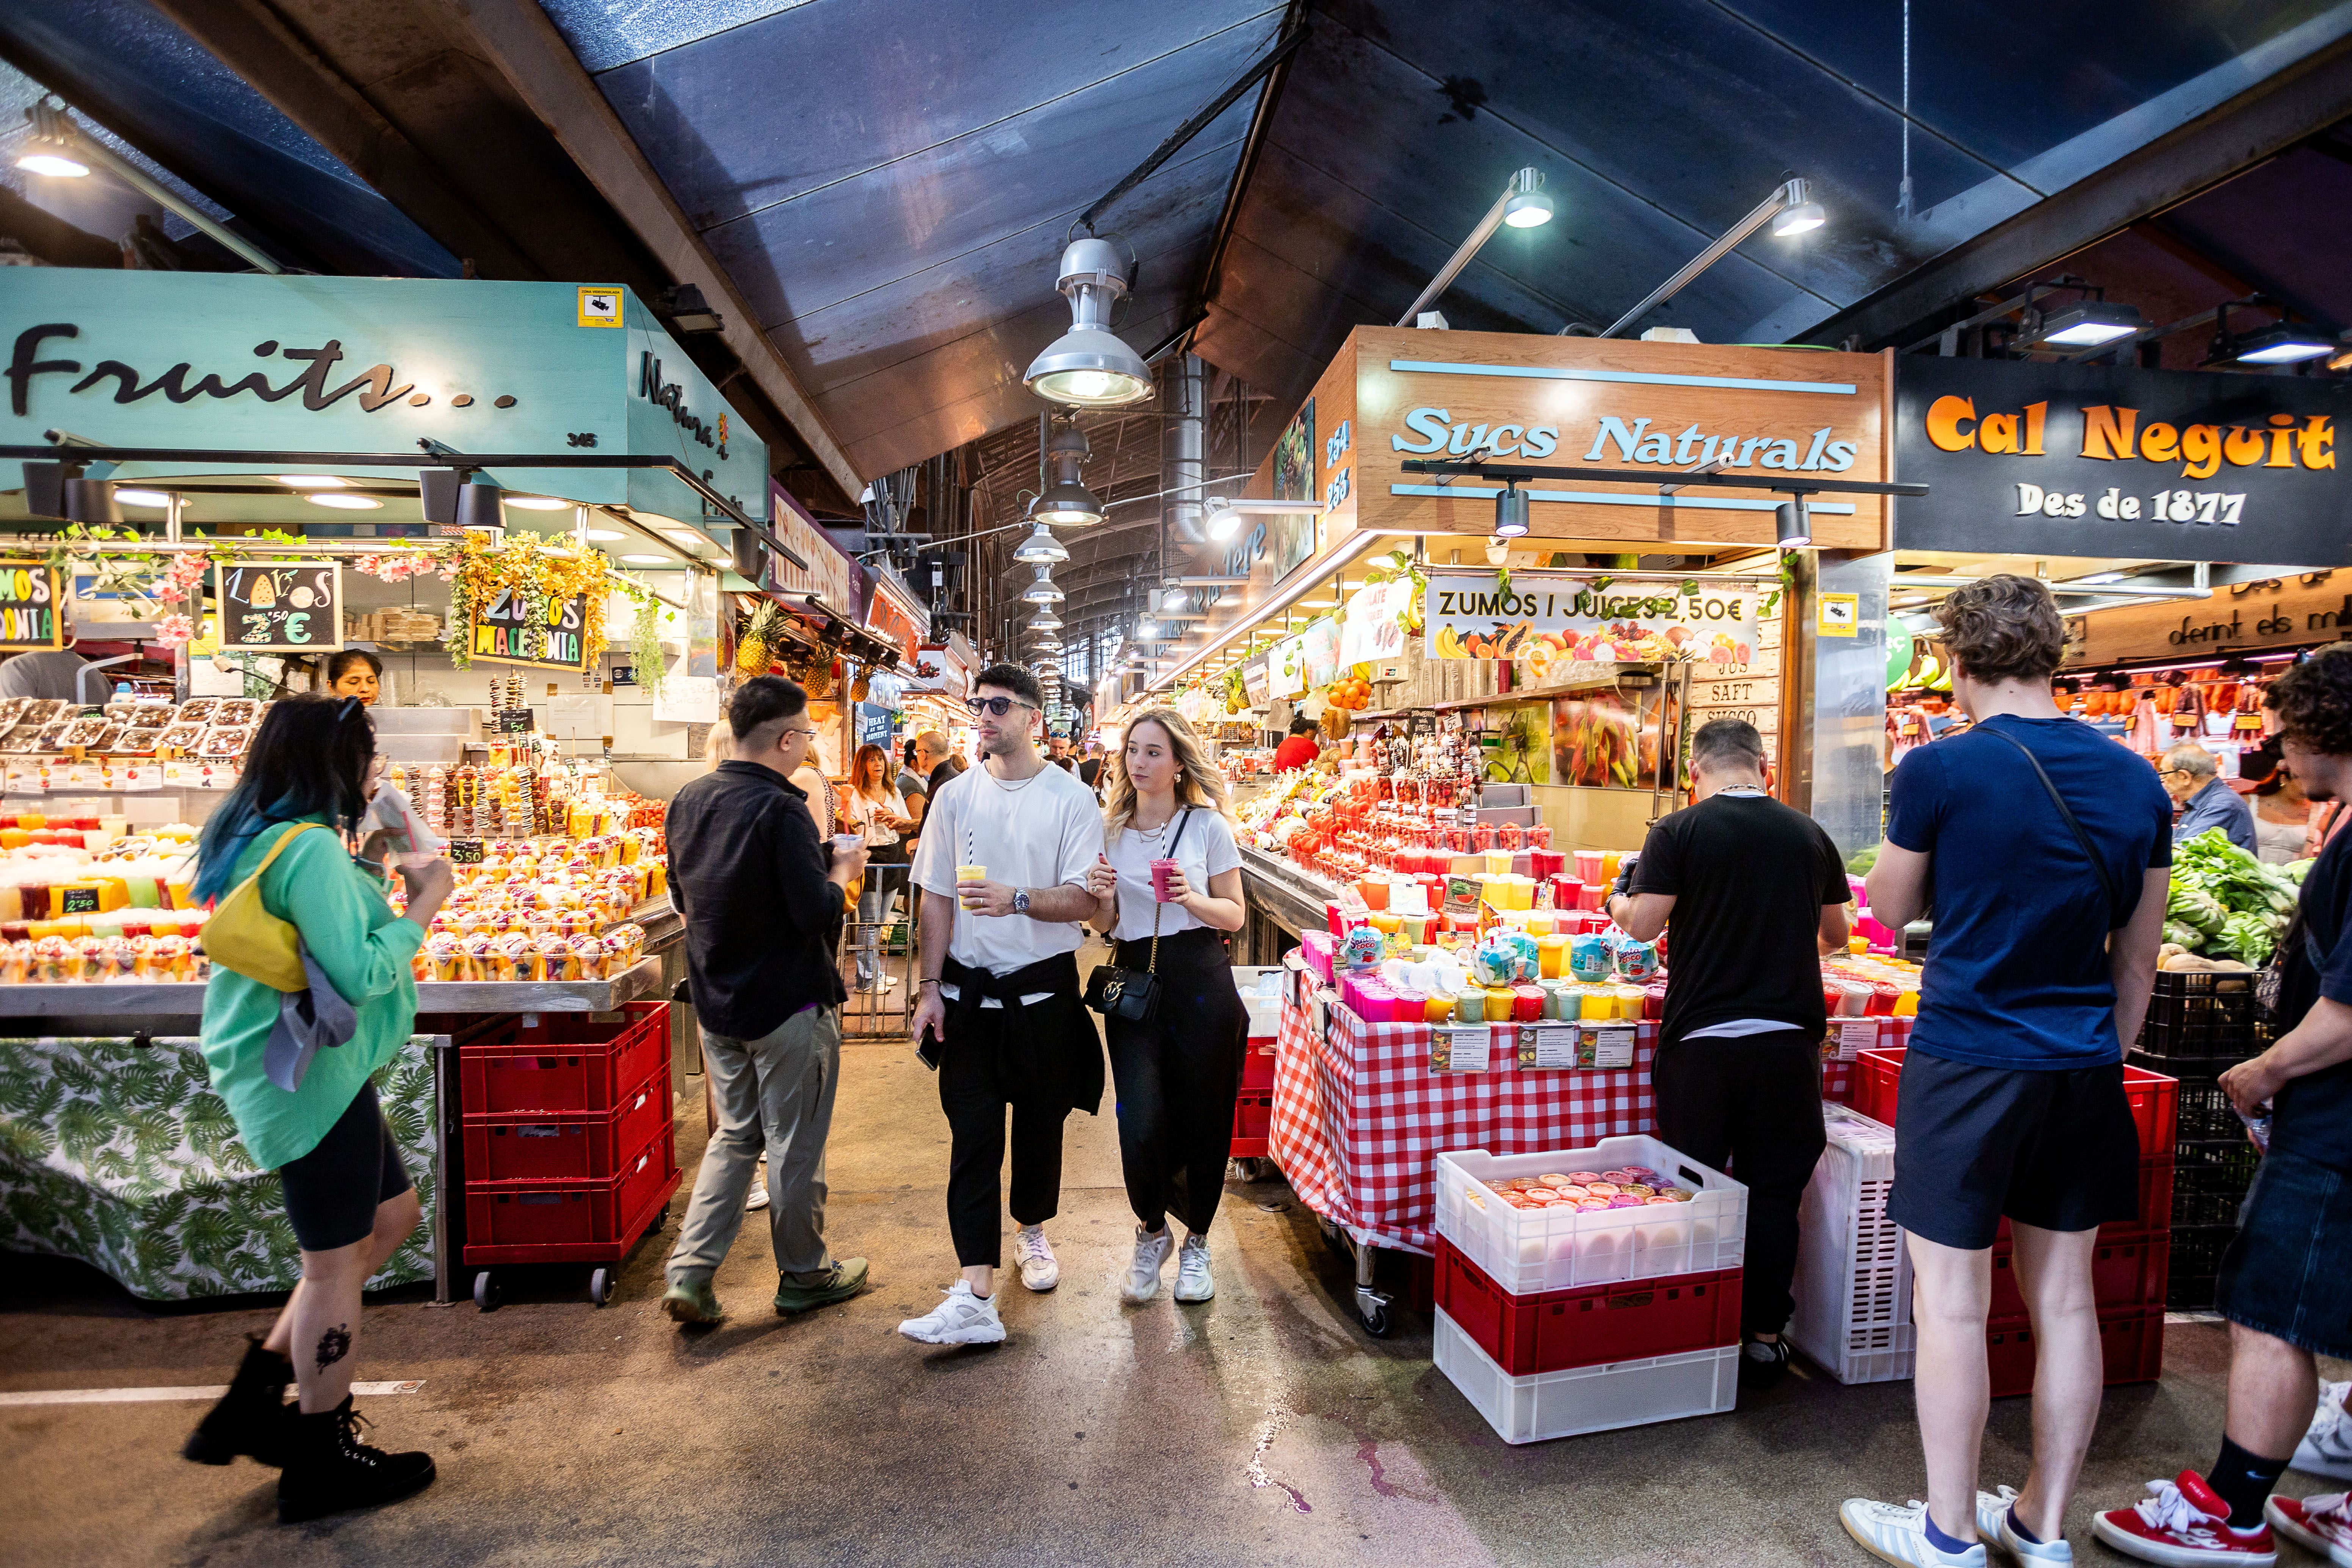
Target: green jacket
<point>354,936</point>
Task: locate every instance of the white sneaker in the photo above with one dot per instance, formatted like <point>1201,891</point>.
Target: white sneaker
<point>963,1319</point>
<point>1900,1535</point>
<point>1035,1256</point>
<point>1993,1526</point>
<point>2326,1449</point>
<point>1142,1281</point>
<point>1192,1280</point>
<point>756,1199</point>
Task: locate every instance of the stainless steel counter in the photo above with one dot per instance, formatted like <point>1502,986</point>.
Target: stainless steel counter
<point>1284,899</point>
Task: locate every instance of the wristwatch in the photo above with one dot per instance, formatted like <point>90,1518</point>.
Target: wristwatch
<point>1020,900</point>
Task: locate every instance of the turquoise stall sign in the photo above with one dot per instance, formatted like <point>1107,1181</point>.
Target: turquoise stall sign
<point>222,362</point>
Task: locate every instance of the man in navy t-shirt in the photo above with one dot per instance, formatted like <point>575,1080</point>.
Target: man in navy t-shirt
<point>2286,1279</point>
<point>2043,848</point>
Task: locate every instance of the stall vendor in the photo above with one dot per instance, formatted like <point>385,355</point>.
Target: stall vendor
<point>2205,798</point>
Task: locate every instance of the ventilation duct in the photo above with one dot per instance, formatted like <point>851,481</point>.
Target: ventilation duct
<point>1183,448</point>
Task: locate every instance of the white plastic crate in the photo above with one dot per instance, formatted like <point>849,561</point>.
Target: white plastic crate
<point>1261,990</point>
<point>1528,1251</point>
<point>1546,1404</point>
<point>1853,1274</point>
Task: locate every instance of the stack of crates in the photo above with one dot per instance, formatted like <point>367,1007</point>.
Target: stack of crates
<point>570,1143</point>
<point>1261,993</point>
<point>2197,1028</point>
<point>1852,1285</point>
<point>2130,1270</point>
<point>1559,1321</point>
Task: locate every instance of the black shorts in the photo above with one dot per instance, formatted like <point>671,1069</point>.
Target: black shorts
<point>2056,1150</point>
<point>332,1193</point>
<point>2288,1271</point>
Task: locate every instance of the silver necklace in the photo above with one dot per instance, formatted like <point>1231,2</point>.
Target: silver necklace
<point>1011,789</point>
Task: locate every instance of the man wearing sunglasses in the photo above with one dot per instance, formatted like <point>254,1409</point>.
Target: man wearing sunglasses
<point>1002,868</point>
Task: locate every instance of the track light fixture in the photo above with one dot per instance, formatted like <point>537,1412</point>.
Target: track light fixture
<point>1794,523</point>
<point>1088,366</point>
<point>1790,209</point>
<point>1511,513</point>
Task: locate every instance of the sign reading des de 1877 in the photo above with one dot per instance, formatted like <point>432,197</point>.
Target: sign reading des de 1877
<point>2161,465</point>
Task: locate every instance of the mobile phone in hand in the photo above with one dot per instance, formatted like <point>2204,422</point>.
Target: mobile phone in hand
<point>928,1049</point>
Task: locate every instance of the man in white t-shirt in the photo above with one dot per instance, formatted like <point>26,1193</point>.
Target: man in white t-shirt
<point>1002,870</point>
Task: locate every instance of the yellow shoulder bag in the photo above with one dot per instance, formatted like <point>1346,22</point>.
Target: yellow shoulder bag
<point>244,936</point>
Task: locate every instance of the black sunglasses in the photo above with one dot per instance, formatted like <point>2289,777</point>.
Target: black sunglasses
<point>998,705</point>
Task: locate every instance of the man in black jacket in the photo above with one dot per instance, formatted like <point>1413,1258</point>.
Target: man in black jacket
<point>762,910</point>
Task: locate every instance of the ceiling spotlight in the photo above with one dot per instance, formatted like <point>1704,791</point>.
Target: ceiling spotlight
<point>1041,549</point>
<point>538,504</point>
<point>311,481</point>
<point>1172,598</point>
<point>2281,344</point>
<point>1147,630</point>
<point>142,498</point>
<point>1043,592</point>
<point>683,306</point>
<point>646,559</point>
<point>2086,325</point>
<point>1794,523</point>
<point>1799,215</point>
<point>1089,367</point>
<point>1068,503</point>
<point>601,534</point>
<point>1223,521</point>
<point>1526,206</point>
<point>342,502</point>
<point>1511,513</point>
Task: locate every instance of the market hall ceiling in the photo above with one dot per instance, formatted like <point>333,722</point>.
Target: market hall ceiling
<point>886,182</point>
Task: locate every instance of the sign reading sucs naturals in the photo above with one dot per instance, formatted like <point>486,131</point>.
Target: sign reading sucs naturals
<point>280,606</point>
<point>1480,614</point>
<point>2099,461</point>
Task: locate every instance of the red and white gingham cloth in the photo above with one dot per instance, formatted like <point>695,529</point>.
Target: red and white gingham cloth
<point>1359,1119</point>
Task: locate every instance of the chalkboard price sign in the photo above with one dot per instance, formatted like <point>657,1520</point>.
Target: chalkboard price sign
<point>465,851</point>
<point>28,606</point>
<point>280,606</point>
<point>503,633</point>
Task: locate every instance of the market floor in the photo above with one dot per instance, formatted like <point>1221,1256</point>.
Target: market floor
<point>1264,1428</point>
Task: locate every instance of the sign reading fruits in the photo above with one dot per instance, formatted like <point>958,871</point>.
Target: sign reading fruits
<point>1549,615</point>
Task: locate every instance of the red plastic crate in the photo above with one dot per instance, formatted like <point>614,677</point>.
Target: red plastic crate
<point>534,1146</point>
<point>2131,1344</point>
<point>1253,1120</point>
<point>1257,1064</point>
<point>1590,1325</point>
<point>555,1222</point>
<point>2129,1268</point>
<point>572,1064</point>
<point>2154,1099</point>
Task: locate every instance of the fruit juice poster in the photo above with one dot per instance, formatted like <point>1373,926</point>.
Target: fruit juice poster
<point>1490,615</point>
<point>1516,748</point>
<point>1607,739</point>
<point>1320,647</point>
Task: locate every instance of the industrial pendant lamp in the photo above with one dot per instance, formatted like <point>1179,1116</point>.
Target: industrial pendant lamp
<point>1041,549</point>
<point>1043,621</point>
<point>1511,513</point>
<point>1042,592</point>
<point>1088,366</point>
<point>1066,503</point>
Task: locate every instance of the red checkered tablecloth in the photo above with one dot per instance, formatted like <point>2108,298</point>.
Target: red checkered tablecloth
<point>1359,1119</point>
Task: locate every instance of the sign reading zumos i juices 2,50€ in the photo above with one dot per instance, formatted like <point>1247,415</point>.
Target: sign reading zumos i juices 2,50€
<point>2161,465</point>
<point>1481,615</point>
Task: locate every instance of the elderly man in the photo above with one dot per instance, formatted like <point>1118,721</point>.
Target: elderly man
<point>2205,798</point>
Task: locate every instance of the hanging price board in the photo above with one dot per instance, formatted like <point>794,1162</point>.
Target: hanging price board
<point>505,632</point>
<point>28,606</point>
<point>280,606</point>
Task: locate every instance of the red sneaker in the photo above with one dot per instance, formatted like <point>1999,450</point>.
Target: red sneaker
<point>2323,1524</point>
<point>2183,1523</point>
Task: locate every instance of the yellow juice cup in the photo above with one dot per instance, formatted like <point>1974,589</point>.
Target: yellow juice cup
<point>1596,1005</point>
<point>1611,862</point>
<point>1386,924</point>
<point>1551,956</point>
<point>1498,1005</point>
<point>1438,1009</point>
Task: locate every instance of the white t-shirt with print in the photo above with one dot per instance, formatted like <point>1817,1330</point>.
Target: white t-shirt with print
<point>1206,850</point>
<point>1040,833</point>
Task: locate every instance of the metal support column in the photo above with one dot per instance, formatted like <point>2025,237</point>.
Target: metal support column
<point>1838,756</point>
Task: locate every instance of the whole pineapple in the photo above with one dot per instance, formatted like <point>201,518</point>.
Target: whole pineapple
<point>756,649</point>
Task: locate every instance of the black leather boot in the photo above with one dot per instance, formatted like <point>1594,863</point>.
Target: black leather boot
<point>329,1468</point>
<point>252,1417</point>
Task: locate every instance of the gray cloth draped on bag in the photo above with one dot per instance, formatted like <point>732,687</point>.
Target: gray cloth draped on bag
<point>307,1020</point>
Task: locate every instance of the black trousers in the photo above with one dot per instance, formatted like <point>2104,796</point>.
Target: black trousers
<point>1176,1079</point>
<point>979,1076</point>
<point>1751,1108</point>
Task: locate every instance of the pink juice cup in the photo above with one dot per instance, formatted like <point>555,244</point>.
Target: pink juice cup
<point>1160,871</point>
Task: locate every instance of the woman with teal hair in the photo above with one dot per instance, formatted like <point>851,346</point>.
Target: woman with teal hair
<point>304,790</point>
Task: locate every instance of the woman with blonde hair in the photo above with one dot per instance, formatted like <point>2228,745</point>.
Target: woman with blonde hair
<point>1167,886</point>
<point>872,806</point>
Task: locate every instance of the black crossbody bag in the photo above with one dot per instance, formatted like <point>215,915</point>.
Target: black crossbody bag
<point>2116,918</point>
<point>1134,994</point>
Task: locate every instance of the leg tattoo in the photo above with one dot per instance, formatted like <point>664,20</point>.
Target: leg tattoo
<point>335,1345</point>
